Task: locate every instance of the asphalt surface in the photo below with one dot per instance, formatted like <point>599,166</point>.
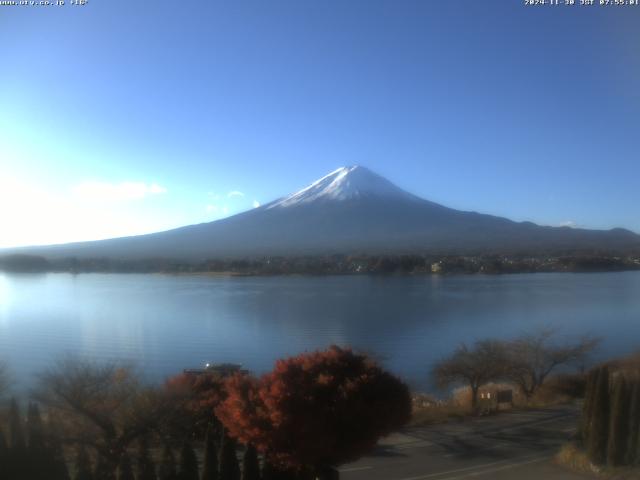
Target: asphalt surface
<point>512,445</point>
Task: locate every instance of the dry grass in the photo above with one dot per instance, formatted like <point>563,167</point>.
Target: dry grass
<point>437,414</point>
<point>428,410</point>
<point>547,397</point>
<point>573,458</point>
<point>628,366</point>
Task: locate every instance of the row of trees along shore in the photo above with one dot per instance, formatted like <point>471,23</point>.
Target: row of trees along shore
<point>338,264</point>
<point>312,413</point>
<point>610,429</point>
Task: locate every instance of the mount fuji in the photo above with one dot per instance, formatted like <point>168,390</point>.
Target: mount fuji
<point>350,210</point>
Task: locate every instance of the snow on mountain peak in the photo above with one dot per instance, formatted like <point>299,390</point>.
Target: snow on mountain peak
<point>345,183</point>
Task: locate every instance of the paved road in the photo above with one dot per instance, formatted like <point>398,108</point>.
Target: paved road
<point>511,445</point>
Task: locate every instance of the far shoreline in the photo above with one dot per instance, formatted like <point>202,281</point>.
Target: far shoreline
<point>234,274</point>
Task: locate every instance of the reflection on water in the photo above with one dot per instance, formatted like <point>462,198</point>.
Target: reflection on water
<point>166,323</point>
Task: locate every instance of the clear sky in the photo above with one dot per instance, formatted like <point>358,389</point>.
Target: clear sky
<point>123,117</point>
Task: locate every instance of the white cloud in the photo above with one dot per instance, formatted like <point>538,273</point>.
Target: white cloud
<point>235,193</point>
<point>256,204</point>
<point>212,208</point>
<point>105,191</point>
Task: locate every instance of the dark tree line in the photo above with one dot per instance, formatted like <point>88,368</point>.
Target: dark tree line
<point>338,264</point>
<point>31,450</point>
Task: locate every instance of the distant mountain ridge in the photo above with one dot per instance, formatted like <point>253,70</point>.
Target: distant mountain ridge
<point>350,210</point>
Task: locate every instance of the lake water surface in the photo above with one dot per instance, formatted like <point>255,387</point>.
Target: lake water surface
<point>166,323</point>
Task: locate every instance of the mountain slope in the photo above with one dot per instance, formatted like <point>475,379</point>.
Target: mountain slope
<point>350,210</point>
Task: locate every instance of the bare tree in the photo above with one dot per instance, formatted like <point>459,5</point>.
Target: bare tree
<point>104,407</point>
<point>532,357</point>
<point>476,366</point>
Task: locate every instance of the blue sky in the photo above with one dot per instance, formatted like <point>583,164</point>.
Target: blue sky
<point>123,117</point>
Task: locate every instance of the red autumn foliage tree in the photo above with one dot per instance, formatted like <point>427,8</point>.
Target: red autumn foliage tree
<point>316,409</point>
<point>194,397</point>
<point>203,391</point>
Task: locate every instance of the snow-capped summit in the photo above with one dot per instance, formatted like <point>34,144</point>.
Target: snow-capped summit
<point>350,210</point>
<point>345,183</point>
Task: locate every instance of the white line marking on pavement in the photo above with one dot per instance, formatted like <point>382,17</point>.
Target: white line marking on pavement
<point>354,469</point>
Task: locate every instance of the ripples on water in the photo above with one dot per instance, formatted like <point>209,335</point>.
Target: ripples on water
<point>166,323</point>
